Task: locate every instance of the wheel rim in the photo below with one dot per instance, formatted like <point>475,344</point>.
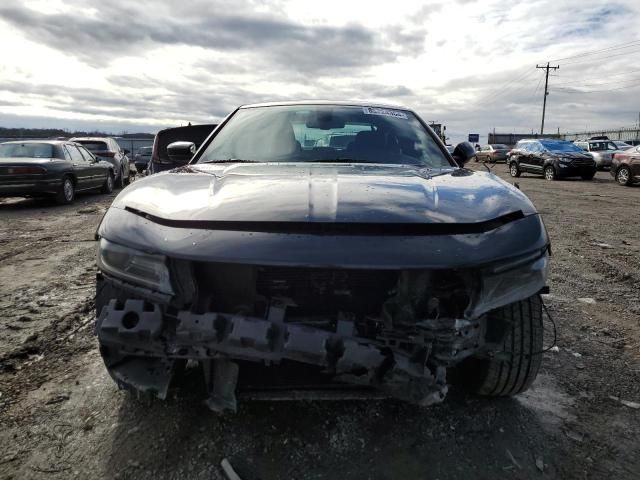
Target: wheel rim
<point>623,176</point>
<point>68,190</point>
<point>514,170</point>
<point>548,173</point>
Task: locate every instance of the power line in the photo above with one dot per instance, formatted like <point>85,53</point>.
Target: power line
<point>568,90</point>
<point>608,74</point>
<point>596,59</point>
<point>619,81</point>
<point>594,52</point>
<point>537,86</point>
<point>503,88</point>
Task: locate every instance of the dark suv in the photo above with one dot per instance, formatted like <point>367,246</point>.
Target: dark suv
<point>551,158</point>
<point>160,159</point>
<point>108,149</point>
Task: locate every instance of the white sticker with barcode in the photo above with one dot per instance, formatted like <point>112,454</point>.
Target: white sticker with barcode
<point>384,111</point>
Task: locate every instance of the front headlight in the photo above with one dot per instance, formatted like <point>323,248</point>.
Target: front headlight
<point>509,282</point>
<point>134,266</point>
<point>565,160</point>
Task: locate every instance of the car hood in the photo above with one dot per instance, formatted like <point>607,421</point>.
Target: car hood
<point>353,193</point>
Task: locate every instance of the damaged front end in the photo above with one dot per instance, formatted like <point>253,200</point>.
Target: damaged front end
<point>396,330</point>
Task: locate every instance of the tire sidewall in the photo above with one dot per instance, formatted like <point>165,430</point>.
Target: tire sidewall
<point>109,183</point>
<point>67,192</point>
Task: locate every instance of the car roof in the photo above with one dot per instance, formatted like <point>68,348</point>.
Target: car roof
<point>51,142</point>
<point>351,103</point>
<point>187,127</point>
<point>92,139</point>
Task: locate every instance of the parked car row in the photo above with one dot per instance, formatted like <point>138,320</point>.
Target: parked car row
<point>554,158</point>
<point>59,168</point>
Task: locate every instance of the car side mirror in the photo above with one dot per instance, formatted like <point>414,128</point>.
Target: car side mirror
<point>463,153</point>
<point>181,152</point>
<point>126,152</point>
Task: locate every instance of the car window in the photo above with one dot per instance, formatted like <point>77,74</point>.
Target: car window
<point>27,150</point>
<point>317,133</point>
<point>94,145</point>
<point>560,146</point>
<point>75,153</point>
<point>536,147</point>
<point>602,146</point>
<point>86,154</point>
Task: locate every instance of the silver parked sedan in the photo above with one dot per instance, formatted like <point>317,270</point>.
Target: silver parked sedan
<point>601,150</point>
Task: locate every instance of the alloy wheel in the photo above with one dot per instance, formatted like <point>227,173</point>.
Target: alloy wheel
<point>623,176</point>
<point>549,173</point>
<point>68,190</point>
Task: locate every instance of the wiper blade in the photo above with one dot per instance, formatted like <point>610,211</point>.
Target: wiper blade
<point>342,160</point>
<point>230,160</point>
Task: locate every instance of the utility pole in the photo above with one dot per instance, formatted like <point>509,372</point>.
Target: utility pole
<point>546,92</point>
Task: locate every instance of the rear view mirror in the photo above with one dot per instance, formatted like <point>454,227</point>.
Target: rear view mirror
<point>181,152</point>
<point>463,153</point>
<point>324,120</point>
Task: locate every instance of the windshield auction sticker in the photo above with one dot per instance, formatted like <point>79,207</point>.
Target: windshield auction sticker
<point>384,111</point>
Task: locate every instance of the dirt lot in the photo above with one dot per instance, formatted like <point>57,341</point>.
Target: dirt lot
<point>61,416</point>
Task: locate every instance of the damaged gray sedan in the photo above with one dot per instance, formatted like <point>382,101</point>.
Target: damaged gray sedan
<point>317,249</point>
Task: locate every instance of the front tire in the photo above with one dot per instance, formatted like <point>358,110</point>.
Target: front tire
<point>67,192</point>
<point>549,173</point>
<point>514,170</point>
<point>623,176</point>
<point>588,176</point>
<point>517,329</point>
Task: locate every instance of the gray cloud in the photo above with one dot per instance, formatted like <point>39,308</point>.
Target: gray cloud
<point>312,49</point>
<point>248,51</point>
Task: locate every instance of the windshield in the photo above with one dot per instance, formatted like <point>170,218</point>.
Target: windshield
<point>500,146</point>
<point>602,146</point>
<point>144,151</point>
<point>321,133</point>
<point>29,150</point>
<point>560,146</point>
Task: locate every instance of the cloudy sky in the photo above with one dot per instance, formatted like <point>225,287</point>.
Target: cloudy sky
<point>121,65</point>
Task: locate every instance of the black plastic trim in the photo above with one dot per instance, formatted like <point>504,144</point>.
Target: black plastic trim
<point>331,228</point>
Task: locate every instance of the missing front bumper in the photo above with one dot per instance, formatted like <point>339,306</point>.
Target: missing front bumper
<point>141,345</point>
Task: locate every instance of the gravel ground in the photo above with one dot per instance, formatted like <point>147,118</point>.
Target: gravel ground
<point>61,416</point>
